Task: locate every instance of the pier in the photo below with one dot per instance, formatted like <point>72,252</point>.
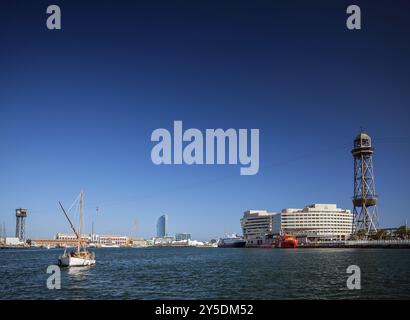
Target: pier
<point>388,244</point>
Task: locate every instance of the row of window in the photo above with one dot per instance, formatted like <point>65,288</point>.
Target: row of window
<point>315,228</point>
<point>304,216</point>
<point>317,224</point>
<point>315,215</point>
<point>322,219</point>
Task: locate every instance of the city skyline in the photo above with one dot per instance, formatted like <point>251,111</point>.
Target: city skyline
<point>78,106</point>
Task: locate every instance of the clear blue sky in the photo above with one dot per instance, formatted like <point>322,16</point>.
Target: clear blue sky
<point>78,106</point>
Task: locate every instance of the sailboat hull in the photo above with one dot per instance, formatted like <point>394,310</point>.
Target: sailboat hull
<point>75,261</point>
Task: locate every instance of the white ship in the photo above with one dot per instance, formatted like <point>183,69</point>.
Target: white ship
<point>231,241</point>
<point>79,257</point>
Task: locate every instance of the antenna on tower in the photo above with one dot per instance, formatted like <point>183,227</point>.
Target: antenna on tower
<point>366,220</point>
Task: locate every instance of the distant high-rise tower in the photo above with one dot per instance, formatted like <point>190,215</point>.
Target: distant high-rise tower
<point>162,226</point>
<point>21,215</point>
<point>364,199</point>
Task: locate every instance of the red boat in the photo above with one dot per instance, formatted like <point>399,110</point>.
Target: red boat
<point>286,241</point>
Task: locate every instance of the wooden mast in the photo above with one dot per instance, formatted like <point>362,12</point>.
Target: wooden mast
<point>80,231</point>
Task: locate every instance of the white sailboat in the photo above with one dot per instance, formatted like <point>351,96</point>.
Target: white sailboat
<point>79,257</point>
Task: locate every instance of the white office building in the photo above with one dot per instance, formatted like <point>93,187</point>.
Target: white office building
<point>256,226</point>
<point>322,222</point>
<point>104,240</point>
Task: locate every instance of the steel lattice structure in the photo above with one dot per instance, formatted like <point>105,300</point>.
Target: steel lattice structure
<point>365,199</point>
<point>21,215</point>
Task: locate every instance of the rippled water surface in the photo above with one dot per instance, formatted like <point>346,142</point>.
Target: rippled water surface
<point>193,273</point>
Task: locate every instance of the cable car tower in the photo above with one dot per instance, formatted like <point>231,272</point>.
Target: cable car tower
<point>365,199</point>
<point>21,215</point>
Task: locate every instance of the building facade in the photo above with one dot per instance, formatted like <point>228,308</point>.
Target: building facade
<point>317,222</point>
<point>257,225</point>
<point>13,241</point>
<point>113,240</point>
<point>162,226</point>
<point>107,240</point>
<point>71,237</point>
<point>182,236</point>
<point>163,241</point>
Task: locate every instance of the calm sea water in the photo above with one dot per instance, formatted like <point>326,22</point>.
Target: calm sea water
<point>193,273</point>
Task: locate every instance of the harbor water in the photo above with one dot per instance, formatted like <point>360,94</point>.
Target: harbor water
<point>209,273</point>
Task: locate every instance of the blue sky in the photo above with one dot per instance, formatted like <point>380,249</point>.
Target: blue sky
<point>78,106</point>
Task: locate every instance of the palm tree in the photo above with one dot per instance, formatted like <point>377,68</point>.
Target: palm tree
<point>360,234</point>
<point>381,234</point>
<point>401,232</point>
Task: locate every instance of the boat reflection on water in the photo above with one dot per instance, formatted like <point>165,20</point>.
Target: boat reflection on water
<point>78,272</point>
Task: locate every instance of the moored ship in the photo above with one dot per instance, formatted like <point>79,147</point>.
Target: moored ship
<point>286,241</point>
<point>232,241</point>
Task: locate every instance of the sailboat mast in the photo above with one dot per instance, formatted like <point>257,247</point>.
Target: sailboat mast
<point>80,231</point>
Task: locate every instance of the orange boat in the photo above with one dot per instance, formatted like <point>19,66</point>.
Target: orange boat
<point>286,241</point>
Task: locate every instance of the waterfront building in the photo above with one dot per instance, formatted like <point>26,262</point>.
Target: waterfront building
<point>162,226</point>
<point>318,222</point>
<point>71,237</point>
<point>182,236</point>
<point>257,225</point>
<point>112,240</point>
<point>167,240</point>
<point>52,243</point>
<point>195,243</point>
<point>13,241</point>
<point>138,242</point>
<point>105,240</point>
